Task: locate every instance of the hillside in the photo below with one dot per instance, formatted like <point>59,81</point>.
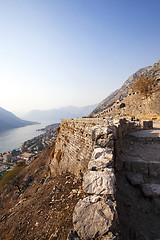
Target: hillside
<point>55,115</point>
<point>40,208</point>
<point>8,121</point>
<point>122,93</point>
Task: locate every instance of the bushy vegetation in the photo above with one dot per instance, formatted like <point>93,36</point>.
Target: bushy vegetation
<point>144,85</point>
<point>10,175</point>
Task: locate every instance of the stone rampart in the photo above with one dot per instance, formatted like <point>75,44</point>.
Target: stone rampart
<point>90,147</point>
<point>75,141</point>
<point>74,145</point>
<point>134,104</point>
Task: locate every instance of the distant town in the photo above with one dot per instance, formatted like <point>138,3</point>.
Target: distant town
<point>29,150</point>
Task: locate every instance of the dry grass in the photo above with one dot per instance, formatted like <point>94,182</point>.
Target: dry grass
<point>154,117</point>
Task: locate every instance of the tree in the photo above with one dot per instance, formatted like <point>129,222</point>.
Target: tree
<point>143,85</point>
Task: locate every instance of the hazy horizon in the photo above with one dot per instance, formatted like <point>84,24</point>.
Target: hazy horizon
<point>72,53</point>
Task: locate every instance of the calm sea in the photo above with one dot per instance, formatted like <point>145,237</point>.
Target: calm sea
<point>12,139</point>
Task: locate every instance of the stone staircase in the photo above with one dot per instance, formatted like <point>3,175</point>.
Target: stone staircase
<point>138,186</point>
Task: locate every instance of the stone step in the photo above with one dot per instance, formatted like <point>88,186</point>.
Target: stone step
<point>154,170</point>
<point>151,190</point>
<point>150,170</point>
<point>136,165</point>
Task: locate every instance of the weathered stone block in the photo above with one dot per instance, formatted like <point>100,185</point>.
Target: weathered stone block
<point>147,125</point>
<point>101,131</point>
<point>115,132</point>
<point>154,169</point>
<point>101,158</point>
<point>139,166</point>
<point>127,164</point>
<point>93,218</point>
<point>105,142</point>
<point>135,178</point>
<point>97,182</point>
<point>151,190</point>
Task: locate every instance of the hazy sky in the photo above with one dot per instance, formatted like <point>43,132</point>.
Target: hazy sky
<point>72,52</point>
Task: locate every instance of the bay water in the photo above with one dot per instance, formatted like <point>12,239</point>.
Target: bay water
<point>12,139</point>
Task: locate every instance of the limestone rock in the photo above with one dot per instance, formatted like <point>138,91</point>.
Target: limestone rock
<point>93,219</point>
<point>98,182</point>
<point>99,131</point>
<point>105,142</point>
<point>101,158</point>
<point>102,136</point>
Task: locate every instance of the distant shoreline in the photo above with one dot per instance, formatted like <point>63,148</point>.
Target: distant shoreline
<point>29,124</point>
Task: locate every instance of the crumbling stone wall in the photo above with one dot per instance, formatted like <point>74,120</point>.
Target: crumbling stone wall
<point>91,147</point>
<point>74,145</point>
<point>95,215</point>
<point>134,104</point>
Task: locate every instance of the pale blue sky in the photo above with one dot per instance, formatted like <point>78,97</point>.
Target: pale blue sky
<point>72,52</point>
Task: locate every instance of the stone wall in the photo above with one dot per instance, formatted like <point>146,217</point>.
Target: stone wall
<point>134,104</point>
<point>90,147</point>
<point>74,145</point>
<point>95,215</point>
<point>75,142</point>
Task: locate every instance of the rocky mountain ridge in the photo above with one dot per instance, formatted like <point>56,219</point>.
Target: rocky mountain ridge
<point>8,120</point>
<point>55,115</point>
<point>122,93</point>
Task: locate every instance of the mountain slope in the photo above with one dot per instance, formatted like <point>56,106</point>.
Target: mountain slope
<point>43,209</point>
<point>121,93</point>
<point>56,115</point>
<point>8,120</point>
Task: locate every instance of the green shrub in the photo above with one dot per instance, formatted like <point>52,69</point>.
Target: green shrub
<point>10,175</point>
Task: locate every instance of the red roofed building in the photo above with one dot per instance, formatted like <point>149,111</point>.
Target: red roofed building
<point>7,157</point>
